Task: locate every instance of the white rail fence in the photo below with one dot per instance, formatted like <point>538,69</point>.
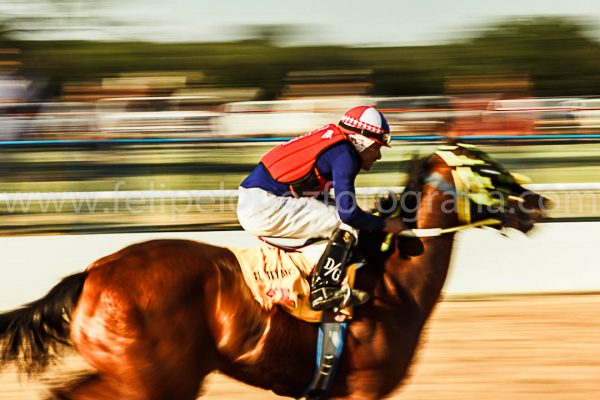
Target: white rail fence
<point>199,194</point>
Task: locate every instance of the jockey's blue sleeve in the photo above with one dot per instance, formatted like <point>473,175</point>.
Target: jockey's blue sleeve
<point>341,163</point>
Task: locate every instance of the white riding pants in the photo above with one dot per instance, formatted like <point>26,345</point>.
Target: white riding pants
<point>264,214</point>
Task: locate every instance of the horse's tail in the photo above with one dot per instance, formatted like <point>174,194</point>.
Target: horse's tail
<point>31,335</point>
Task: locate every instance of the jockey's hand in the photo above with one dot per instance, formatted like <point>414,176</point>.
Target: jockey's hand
<point>394,225</point>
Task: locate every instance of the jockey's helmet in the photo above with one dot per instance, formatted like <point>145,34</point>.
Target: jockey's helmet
<point>368,122</point>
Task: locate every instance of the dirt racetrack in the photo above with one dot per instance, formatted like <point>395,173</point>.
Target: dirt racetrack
<point>517,347</point>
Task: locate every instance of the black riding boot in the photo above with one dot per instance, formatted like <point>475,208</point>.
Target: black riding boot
<point>325,285</point>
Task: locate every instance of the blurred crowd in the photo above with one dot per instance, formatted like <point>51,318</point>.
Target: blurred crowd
<point>169,105</point>
<point>160,107</point>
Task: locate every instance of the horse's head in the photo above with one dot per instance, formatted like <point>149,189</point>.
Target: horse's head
<point>490,191</point>
<point>476,190</point>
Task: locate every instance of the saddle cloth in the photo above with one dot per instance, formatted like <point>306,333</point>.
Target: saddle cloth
<point>278,277</point>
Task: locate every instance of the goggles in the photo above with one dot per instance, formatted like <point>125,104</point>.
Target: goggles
<point>382,138</point>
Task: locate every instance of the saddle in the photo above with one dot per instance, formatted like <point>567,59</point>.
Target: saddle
<point>278,272</point>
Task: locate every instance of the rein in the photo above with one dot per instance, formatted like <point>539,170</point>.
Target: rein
<point>432,232</point>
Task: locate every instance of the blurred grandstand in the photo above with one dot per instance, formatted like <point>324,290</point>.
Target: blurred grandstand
<point>174,105</point>
<point>205,116</point>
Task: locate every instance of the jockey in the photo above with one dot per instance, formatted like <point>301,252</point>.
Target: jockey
<point>279,197</point>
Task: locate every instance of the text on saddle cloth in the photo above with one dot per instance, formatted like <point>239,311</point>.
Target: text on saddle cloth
<point>277,277</point>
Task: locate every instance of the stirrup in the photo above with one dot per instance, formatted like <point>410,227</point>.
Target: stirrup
<point>341,298</point>
<point>353,297</point>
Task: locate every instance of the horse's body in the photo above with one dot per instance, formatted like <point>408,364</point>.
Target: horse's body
<point>130,325</point>
<point>155,318</point>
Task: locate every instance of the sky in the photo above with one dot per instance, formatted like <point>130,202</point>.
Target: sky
<point>345,22</point>
<point>348,22</point>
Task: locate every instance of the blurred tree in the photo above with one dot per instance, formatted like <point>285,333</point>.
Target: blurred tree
<point>556,53</point>
<point>45,19</point>
<point>272,34</point>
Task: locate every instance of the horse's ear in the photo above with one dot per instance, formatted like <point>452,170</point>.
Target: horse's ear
<point>450,141</point>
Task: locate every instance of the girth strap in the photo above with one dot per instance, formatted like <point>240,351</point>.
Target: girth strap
<point>332,335</point>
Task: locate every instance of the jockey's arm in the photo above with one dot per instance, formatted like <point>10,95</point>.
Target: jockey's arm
<point>344,171</point>
<point>344,168</point>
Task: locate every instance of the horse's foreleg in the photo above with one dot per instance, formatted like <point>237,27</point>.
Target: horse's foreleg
<point>358,395</point>
<point>99,387</point>
<point>364,385</point>
<point>88,387</point>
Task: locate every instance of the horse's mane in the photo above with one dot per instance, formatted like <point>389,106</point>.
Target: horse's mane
<point>417,172</point>
<point>370,242</point>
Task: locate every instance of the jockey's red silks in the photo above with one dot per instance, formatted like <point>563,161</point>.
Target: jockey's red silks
<point>293,162</point>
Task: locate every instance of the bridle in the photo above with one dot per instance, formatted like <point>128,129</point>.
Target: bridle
<point>469,187</point>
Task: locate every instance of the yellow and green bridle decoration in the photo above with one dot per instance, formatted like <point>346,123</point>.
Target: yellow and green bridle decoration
<point>470,186</point>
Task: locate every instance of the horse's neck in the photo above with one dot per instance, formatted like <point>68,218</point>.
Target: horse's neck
<point>422,277</point>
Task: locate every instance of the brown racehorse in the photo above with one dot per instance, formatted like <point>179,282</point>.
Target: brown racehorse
<point>155,318</point>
